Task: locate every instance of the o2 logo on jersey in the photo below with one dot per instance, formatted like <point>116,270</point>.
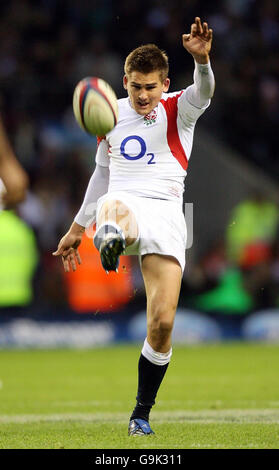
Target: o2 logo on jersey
<point>142,152</point>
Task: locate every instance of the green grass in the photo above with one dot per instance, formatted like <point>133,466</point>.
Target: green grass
<point>223,396</point>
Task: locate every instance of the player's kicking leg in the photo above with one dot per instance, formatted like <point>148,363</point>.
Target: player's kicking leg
<point>162,279</point>
<point>117,228</point>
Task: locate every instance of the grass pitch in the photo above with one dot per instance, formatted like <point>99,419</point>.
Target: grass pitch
<point>222,396</point>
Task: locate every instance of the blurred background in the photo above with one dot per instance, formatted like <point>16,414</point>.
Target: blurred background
<point>230,286</point>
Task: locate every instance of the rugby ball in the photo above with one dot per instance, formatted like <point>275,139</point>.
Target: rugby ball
<point>95,106</point>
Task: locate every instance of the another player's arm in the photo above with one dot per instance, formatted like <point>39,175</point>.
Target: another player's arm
<point>14,177</point>
<point>198,44</point>
<point>69,243</point>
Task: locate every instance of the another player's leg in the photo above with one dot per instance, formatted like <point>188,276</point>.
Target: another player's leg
<point>117,228</point>
<point>162,279</point>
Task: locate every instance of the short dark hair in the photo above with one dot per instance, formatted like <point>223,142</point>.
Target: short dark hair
<point>146,59</point>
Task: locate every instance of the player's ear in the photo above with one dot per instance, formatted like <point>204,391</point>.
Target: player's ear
<point>125,81</point>
<point>166,85</point>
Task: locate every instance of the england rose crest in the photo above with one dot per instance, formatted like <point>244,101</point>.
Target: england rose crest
<point>150,118</point>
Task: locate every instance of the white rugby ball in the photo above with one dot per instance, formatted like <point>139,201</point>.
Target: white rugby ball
<point>95,106</point>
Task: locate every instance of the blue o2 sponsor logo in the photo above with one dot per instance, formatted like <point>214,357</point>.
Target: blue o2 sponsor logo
<point>142,146</point>
<point>142,151</point>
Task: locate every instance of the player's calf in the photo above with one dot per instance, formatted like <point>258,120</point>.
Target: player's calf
<point>160,321</point>
<point>152,367</point>
<point>159,334</point>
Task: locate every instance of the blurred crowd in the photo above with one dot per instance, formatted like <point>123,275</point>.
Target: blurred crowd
<point>47,46</point>
<point>239,273</point>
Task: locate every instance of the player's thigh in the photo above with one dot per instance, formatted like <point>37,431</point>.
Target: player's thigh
<point>162,279</point>
<point>118,212</point>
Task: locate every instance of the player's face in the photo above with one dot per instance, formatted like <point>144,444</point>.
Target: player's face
<point>145,90</point>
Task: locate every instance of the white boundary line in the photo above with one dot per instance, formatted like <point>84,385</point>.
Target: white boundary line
<point>232,416</point>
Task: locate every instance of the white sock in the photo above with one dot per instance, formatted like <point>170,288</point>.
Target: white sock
<point>157,358</point>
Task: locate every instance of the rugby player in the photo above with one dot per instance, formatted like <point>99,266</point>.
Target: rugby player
<point>138,186</point>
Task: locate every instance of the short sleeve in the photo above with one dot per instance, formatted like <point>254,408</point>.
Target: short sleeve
<point>102,157</point>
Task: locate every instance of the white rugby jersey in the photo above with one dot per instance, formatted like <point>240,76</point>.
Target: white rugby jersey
<point>148,155</point>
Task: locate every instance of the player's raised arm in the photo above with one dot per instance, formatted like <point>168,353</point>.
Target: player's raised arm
<point>198,44</point>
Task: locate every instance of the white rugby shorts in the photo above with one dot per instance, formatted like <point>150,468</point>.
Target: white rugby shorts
<point>161,225</point>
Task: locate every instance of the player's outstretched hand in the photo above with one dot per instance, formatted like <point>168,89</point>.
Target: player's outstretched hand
<point>68,249</point>
<point>198,42</point>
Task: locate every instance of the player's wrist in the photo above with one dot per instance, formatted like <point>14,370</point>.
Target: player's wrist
<point>77,229</point>
<point>201,59</point>
<point>203,68</point>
